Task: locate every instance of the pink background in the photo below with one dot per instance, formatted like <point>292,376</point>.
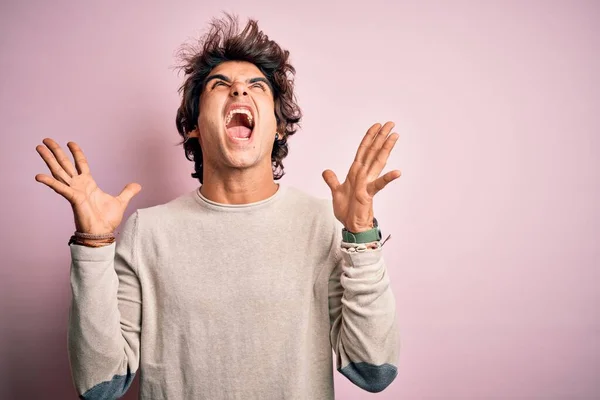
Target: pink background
<point>495,222</point>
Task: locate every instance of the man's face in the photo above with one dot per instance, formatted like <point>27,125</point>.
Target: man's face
<point>236,125</point>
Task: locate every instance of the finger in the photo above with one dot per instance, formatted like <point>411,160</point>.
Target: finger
<point>363,148</point>
<point>378,142</point>
<point>382,155</point>
<point>381,182</point>
<point>60,156</point>
<point>55,168</point>
<point>80,160</point>
<point>56,185</point>
<point>130,190</point>
<point>331,179</point>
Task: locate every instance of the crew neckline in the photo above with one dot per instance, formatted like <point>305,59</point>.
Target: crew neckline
<point>202,200</point>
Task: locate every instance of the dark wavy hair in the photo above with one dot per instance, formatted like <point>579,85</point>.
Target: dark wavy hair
<point>224,42</point>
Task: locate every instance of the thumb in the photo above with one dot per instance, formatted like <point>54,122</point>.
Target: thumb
<point>331,179</point>
<point>130,190</point>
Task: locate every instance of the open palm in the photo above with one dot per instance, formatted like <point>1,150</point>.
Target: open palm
<point>353,199</point>
<point>95,211</point>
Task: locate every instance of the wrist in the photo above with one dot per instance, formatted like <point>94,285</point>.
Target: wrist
<point>358,228</point>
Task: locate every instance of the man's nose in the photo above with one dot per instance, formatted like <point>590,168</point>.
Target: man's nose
<point>238,89</point>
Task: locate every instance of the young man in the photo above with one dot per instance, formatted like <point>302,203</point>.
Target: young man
<point>241,288</point>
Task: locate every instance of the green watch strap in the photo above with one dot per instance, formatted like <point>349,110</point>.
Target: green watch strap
<point>372,235</point>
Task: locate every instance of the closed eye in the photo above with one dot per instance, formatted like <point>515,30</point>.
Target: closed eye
<point>259,85</point>
<point>218,83</point>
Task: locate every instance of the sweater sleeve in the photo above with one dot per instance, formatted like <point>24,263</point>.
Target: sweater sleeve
<point>105,316</point>
<point>362,310</point>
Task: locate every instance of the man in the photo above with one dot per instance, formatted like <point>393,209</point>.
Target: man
<point>241,288</point>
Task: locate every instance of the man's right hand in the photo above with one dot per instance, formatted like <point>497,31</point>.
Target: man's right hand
<point>95,212</point>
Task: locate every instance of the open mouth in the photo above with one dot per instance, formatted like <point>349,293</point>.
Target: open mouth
<point>239,123</point>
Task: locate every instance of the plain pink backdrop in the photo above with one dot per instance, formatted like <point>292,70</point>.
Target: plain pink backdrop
<point>495,223</point>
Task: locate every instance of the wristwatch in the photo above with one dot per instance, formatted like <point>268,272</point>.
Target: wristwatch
<point>372,235</point>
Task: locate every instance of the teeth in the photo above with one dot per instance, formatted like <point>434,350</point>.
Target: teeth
<point>239,111</point>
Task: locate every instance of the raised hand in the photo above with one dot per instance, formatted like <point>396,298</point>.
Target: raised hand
<point>353,199</point>
<point>95,212</point>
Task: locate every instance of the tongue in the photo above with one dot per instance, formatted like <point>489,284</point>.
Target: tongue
<point>239,131</point>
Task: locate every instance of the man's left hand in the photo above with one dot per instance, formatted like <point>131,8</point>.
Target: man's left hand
<point>353,199</point>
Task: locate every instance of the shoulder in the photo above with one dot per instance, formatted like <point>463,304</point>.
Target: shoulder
<point>309,207</point>
<point>314,218</point>
<point>168,212</point>
<point>307,203</point>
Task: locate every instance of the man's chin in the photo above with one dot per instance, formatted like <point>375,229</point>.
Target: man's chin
<point>245,160</point>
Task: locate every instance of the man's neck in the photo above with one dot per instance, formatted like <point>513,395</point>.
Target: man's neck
<point>237,187</point>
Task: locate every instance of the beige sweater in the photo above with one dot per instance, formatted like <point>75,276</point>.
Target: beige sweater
<point>215,301</point>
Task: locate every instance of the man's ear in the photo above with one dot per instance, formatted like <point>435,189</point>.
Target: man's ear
<point>194,133</point>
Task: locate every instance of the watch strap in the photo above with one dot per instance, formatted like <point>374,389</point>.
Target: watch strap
<point>372,235</point>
